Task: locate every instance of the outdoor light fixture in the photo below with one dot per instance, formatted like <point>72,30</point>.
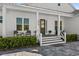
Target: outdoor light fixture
<point>58,4</point>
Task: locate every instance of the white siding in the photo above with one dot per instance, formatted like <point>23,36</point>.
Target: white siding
<point>11,21</point>
<point>72,25</point>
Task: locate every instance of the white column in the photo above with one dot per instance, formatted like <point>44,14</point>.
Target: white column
<point>37,31</point>
<point>22,25</point>
<point>4,21</point>
<point>58,24</point>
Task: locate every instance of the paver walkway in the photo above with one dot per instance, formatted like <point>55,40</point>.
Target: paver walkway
<point>68,49</point>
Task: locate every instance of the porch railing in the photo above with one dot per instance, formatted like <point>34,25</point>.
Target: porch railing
<point>40,39</point>
<point>63,35</point>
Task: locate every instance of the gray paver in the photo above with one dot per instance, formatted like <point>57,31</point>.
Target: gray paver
<point>68,49</point>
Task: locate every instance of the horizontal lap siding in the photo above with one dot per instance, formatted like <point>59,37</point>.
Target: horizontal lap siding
<point>72,25</point>
<point>11,20</point>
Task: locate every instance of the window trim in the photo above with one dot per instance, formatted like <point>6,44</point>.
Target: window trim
<point>25,24</point>
<point>18,24</point>
<point>22,24</point>
<point>61,25</point>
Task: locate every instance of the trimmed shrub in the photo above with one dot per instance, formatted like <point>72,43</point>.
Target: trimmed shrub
<point>0,36</point>
<point>71,37</point>
<point>17,42</point>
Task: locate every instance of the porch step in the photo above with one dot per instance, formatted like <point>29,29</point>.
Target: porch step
<point>46,44</point>
<point>51,37</point>
<point>51,40</point>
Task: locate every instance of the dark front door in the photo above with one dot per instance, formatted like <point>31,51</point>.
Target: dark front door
<point>42,26</point>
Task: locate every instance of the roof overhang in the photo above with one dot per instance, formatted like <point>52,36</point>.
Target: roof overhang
<point>64,7</point>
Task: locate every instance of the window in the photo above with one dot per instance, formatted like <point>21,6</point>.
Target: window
<point>22,24</point>
<point>26,24</point>
<point>56,26</point>
<point>19,24</point>
<point>0,19</point>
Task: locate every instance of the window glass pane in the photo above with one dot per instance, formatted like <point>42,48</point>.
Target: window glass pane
<point>42,22</point>
<point>19,27</point>
<point>26,21</point>
<point>61,23</point>
<point>26,27</point>
<point>19,21</point>
<point>0,17</point>
<point>42,26</point>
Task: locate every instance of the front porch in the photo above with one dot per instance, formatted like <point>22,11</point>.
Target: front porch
<point>45,34</point>
<point>44,23</point>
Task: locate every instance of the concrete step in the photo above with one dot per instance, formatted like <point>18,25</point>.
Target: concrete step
<point>51,41</point>
<point>52,37</point>
<point>46,44</point>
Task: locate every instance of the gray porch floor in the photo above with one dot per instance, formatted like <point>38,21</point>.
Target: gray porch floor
<point>68,49</point>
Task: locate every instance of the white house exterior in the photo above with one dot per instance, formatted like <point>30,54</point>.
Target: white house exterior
<point>23,17</point>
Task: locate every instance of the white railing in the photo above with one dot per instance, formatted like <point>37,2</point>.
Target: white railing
<point>63,35</point>
<point>40,39</point>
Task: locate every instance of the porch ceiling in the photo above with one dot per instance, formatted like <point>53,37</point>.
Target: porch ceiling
<point>53,6</point>
<point>29,8</point>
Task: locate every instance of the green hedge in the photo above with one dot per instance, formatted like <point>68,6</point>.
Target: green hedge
<point>17,42</point>
<point>0,36</point>
<point>71,37</point>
